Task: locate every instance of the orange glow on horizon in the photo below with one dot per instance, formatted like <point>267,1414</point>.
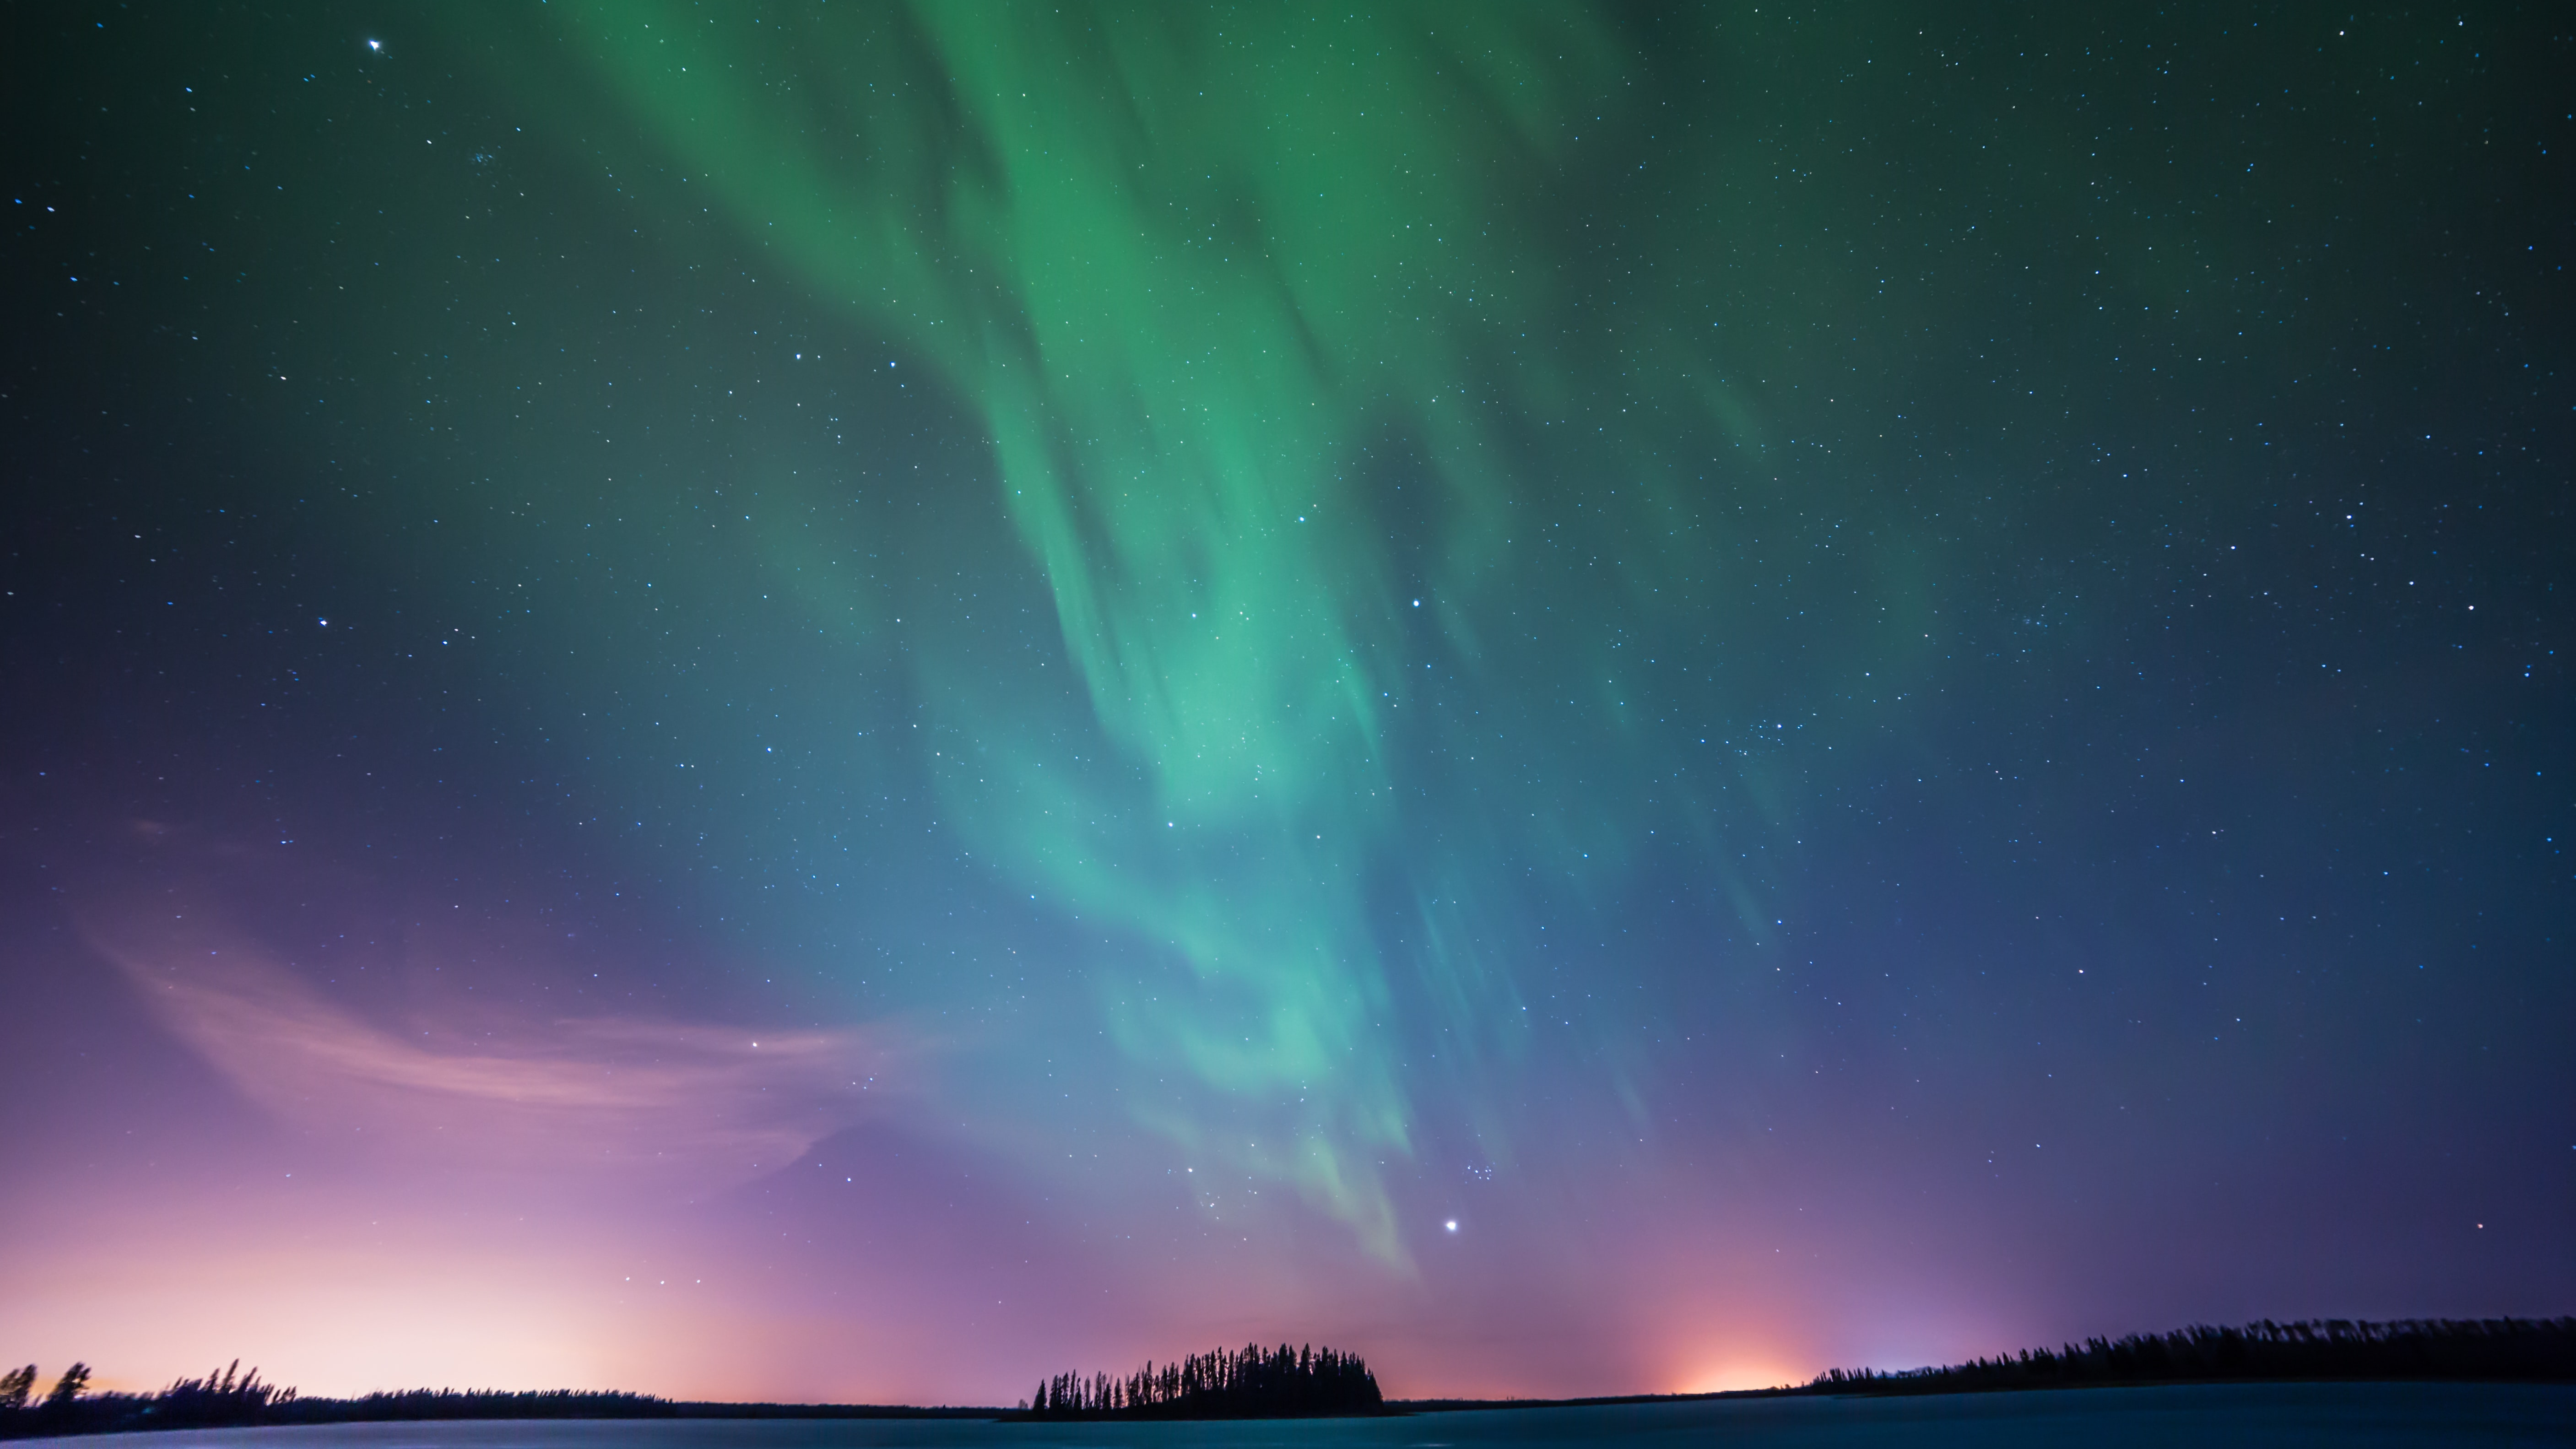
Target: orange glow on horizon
<point>1729,1375</point>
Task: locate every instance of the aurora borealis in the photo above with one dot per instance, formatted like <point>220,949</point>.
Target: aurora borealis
<point>849,701</point>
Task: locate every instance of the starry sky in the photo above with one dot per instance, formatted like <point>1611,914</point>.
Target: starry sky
<point>855,701</point>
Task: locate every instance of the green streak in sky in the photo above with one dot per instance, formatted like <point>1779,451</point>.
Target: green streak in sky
<point>1189,269</point>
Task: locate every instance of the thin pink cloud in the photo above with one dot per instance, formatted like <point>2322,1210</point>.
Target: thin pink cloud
<point>703,1106</point>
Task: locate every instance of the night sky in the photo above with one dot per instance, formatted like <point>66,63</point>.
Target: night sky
<point>853,702</point>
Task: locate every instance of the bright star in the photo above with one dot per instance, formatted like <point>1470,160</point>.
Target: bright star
<point>375,45</point>
<point>1451,1225</point>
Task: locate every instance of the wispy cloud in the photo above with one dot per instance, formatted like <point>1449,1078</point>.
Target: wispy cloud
<point>623,1095</point>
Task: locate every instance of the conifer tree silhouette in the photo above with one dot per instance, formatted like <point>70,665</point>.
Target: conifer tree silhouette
<point>1224,1384</point>
<point>69,1386</point>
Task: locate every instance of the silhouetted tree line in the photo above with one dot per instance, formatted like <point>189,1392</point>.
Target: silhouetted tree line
<point>1256,1383</point>
<point>2519,1349</point>
<point>231,1398</point>
<point>225,1397</point>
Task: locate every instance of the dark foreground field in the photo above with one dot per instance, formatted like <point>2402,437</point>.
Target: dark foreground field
<point>2201,1416</point>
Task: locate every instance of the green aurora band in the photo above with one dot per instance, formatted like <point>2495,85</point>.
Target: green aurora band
<point>1221,288</point>
<point>1854,682</point>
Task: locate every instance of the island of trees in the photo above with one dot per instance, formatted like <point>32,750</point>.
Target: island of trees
<point>230,1398</point>
<point>2520,1349</point>
<point>1252,1383</point>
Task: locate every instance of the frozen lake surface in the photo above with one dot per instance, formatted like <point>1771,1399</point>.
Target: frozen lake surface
<point>2204,1416</point>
